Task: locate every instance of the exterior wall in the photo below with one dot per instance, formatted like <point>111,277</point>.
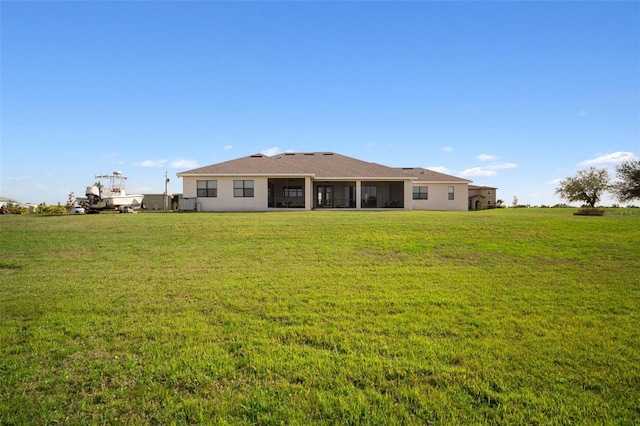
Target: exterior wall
<point>439,197</point>
<point>225,201</point>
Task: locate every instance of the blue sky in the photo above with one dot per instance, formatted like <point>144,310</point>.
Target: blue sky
<point>514,95</point>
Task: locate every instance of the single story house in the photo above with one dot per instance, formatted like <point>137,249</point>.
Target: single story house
<point>317,180</point>
<point>482,197</point>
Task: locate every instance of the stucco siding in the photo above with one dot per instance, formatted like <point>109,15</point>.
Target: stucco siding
<point>439,197</point>
<point>225,199</point>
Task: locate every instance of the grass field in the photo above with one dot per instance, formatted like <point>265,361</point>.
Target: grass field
<point>512,316</point>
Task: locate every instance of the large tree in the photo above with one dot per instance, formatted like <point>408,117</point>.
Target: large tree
<point>628,188</point>
<point>587,186</point>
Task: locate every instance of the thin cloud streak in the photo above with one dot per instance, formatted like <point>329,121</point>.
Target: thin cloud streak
<point>153,163</point>
<point>609,159</point>
<point>501,166</point>
<point>270,152</point>
<point>441,169</point>
<point>181,163</point>
<point>477,171</point>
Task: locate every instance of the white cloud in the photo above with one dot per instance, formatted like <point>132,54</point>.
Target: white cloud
<point>554,181</point>
<point>501,166</point>
<point>271,151</point>
<point>446,149</point>
<point>152,163</point>
<point>485,157</point>
<point>609,159</point>
<point>477,171</point>
<point>582,113</point>
<point>488,170</point>
<point>181,163</point>
<point>228,147</point>
<point>442,169</point>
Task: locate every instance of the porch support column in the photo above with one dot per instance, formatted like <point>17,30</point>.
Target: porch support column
<point>408,195</point>
<point>308,193</point>
<point>358,194</point>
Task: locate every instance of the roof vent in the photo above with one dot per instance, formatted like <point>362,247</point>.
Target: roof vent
<point>328,153</point>
<point>289,153</point>
<point>309,153</point>
<point>257,156</point>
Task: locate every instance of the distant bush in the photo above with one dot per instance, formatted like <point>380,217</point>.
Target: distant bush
<point>44,209</point>
<point>588,211</point>
<point>561,206</point>
<point>13,209</point>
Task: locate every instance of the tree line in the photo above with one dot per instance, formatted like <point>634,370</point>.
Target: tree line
<point>589,185</point>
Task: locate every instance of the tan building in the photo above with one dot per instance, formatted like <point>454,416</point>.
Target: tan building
<point>317,180</point>
<point>482,197</point>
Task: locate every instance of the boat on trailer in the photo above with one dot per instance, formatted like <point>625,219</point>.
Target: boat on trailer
<point>112,196</point>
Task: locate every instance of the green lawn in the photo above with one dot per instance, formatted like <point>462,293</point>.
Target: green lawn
<point>512,316</point>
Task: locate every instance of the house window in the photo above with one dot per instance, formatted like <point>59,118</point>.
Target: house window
<point>420,192</point>
<point>243,188</point>
<point>488,202</point>
<point>293,191</point>
<point>451,193</point>
<point>207,188</point>
<point>488,192</point>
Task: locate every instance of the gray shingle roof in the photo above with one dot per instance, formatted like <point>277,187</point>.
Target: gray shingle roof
<point>257,164</point>
<point>320,165</point>
<point>481,187</point>
<point>327,165</point>
<point>426,175</point>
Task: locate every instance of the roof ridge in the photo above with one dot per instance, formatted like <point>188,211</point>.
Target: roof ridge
<point>289,164</point>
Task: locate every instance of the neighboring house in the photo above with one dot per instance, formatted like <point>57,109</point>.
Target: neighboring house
<point>482,197</point>
<point>317,180</point>
<point>5,201</point>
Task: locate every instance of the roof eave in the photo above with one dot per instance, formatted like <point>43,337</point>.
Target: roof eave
<point>244,174</point>
<point>442,181</point>
<point>398,178</point>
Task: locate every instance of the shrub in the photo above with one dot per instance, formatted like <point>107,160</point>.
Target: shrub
<point>589,212</point>
<point>51,210</point>
<point>13,209</point>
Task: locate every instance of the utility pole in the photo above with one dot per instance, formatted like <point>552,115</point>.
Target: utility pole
<point>166,181</point>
